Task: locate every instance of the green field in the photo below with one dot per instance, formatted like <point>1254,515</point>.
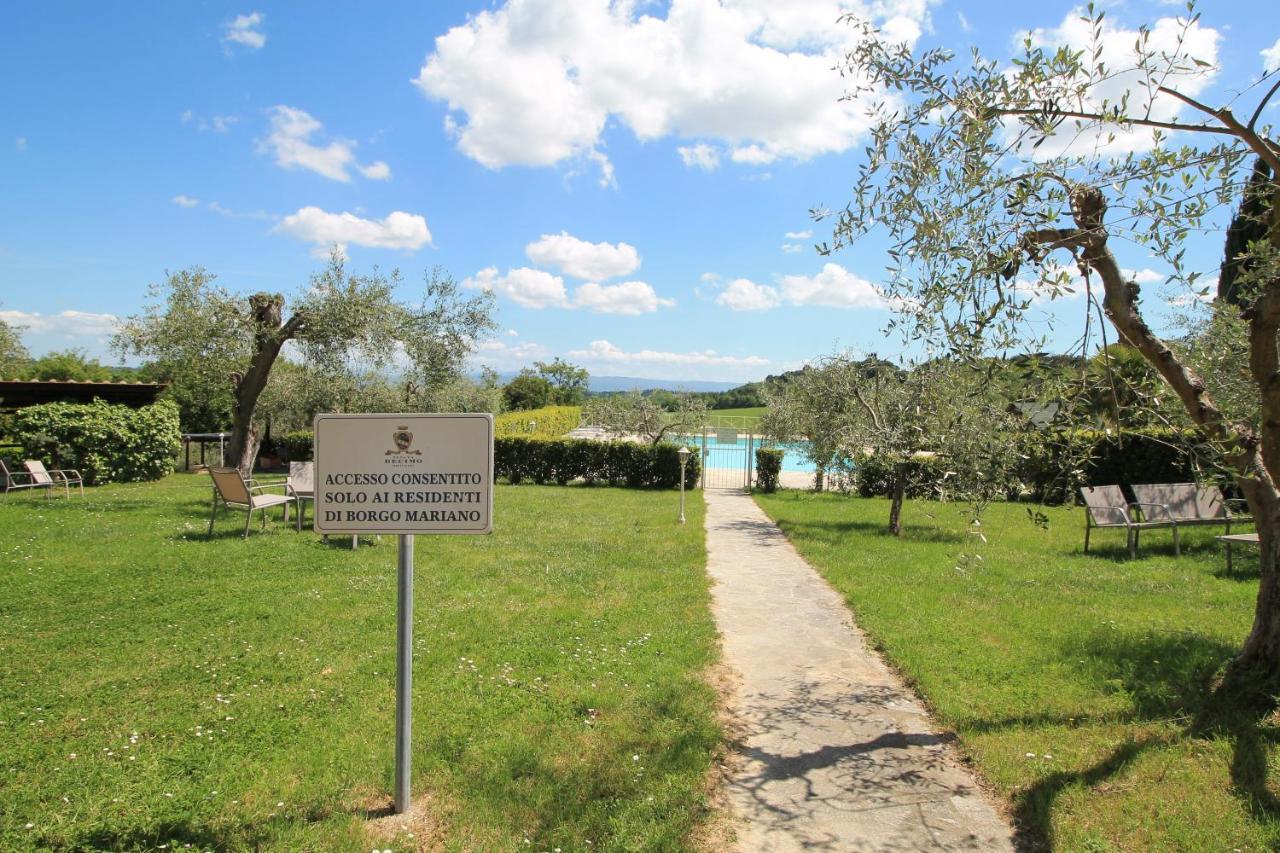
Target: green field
<point>1073,681</point>
<point>734,417</point>
<point>161,689</point>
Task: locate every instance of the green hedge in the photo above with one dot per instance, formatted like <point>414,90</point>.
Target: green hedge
<point>768,468</point>
<point>875,477</point>
<point>297,445</point>
<point>1055,466</point>
<point>618,463</point>
<point>105,443</point>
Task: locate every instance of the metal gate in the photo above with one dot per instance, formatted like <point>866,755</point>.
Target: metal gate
<point>727,457</point>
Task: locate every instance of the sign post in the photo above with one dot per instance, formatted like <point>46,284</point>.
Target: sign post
<point>404,474</point>
<point>404,669</point>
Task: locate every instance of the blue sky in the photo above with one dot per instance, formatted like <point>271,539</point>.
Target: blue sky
<point>633,181</point>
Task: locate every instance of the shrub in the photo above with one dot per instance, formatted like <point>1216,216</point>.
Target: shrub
<point>619,463</point>
<point>1056,464</point>
<point>768,468</point>
<point>875,476</point>
<point>549,422</point>
<point>298,446</point>
<point>105,443</point>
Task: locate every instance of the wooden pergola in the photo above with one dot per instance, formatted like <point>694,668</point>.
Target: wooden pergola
<point>21,393</point>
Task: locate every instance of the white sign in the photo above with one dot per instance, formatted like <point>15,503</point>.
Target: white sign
<point>404,473</point>
<point>726,436</point>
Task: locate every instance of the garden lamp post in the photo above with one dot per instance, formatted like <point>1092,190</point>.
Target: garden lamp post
<point>684,454</point>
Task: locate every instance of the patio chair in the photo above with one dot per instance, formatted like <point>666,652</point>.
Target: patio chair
<point>1105,507</point>
<point>230,487</point>
<point>13,480</point>
<point>301,484</point>
<point>1190,504</point>
<point>65,477</point>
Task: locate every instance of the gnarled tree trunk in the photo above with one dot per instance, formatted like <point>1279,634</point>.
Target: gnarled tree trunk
<point>1253,457</point>
<point>269,336</point>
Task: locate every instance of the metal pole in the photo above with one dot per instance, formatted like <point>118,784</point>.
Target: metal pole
<point>683,462</point>
<point>404,669</point>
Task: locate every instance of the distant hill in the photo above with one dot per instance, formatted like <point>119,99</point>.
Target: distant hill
<point>630,383</point>
<point>606,384</point>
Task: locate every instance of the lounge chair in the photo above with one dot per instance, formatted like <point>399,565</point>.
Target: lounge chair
<point>1190,504</point>
<point>1105,507</point>
<point>65,477</point>
<point>13,481</point>
<point>230,487</point>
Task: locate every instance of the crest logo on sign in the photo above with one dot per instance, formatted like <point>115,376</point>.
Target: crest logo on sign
<point>404,440</point>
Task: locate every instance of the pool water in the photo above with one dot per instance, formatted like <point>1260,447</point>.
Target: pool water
<point>792,451</point>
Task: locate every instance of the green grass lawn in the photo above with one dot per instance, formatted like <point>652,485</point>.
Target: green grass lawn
<point>733,417</point>
<point>1073,681</point>
<point>158,688</point>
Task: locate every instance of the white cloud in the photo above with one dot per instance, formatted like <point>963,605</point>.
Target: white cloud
<point>290,142</point>
<point>700,156</point>
<point>834,286</point>
<point>535,82</point>
<point>792,248</point>
<point>745,295</point>
<point>528,287</point>
<point>1117,45</point>
<point>245,30</point>
<point>798,235</point>
<point>1271,57</point>
<point>185,201</point>
<point>580,259</point>
<point>965,26</point>
<point>377,171</point>
<point>1037,291</point>
<point>397,230</point>
<point>629,298</point>
<point>68,324</point>
<point>604,352</point>
<point>500,354</point>
<point>217,124</point>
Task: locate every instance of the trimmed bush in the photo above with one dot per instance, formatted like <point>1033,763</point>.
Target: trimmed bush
<point>618,463</point>
<point>550,422</point>
<point>768,468</point>
<point>875,477</point>
<point>105,443</point>
<point>298,446</point>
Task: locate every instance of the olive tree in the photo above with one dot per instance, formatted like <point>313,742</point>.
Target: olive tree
<point>991,181</point>
<point>637,414</point>
<point>939,426</point>
<point>219,348</point>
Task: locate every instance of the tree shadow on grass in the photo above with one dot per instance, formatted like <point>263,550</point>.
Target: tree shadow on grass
<point>1168,677</point>
<point>174,834</point>
<point>838,532</point>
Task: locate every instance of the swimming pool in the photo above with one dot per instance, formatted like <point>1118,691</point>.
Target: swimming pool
<point>722,455</point>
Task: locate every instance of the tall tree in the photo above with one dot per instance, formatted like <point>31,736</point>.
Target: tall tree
<point>220,348</point>
<point>992,181</point>
<point>568,381</point>
<point>12,353</point>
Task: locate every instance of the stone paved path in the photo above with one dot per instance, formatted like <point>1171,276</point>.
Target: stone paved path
<point>837,753</point>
